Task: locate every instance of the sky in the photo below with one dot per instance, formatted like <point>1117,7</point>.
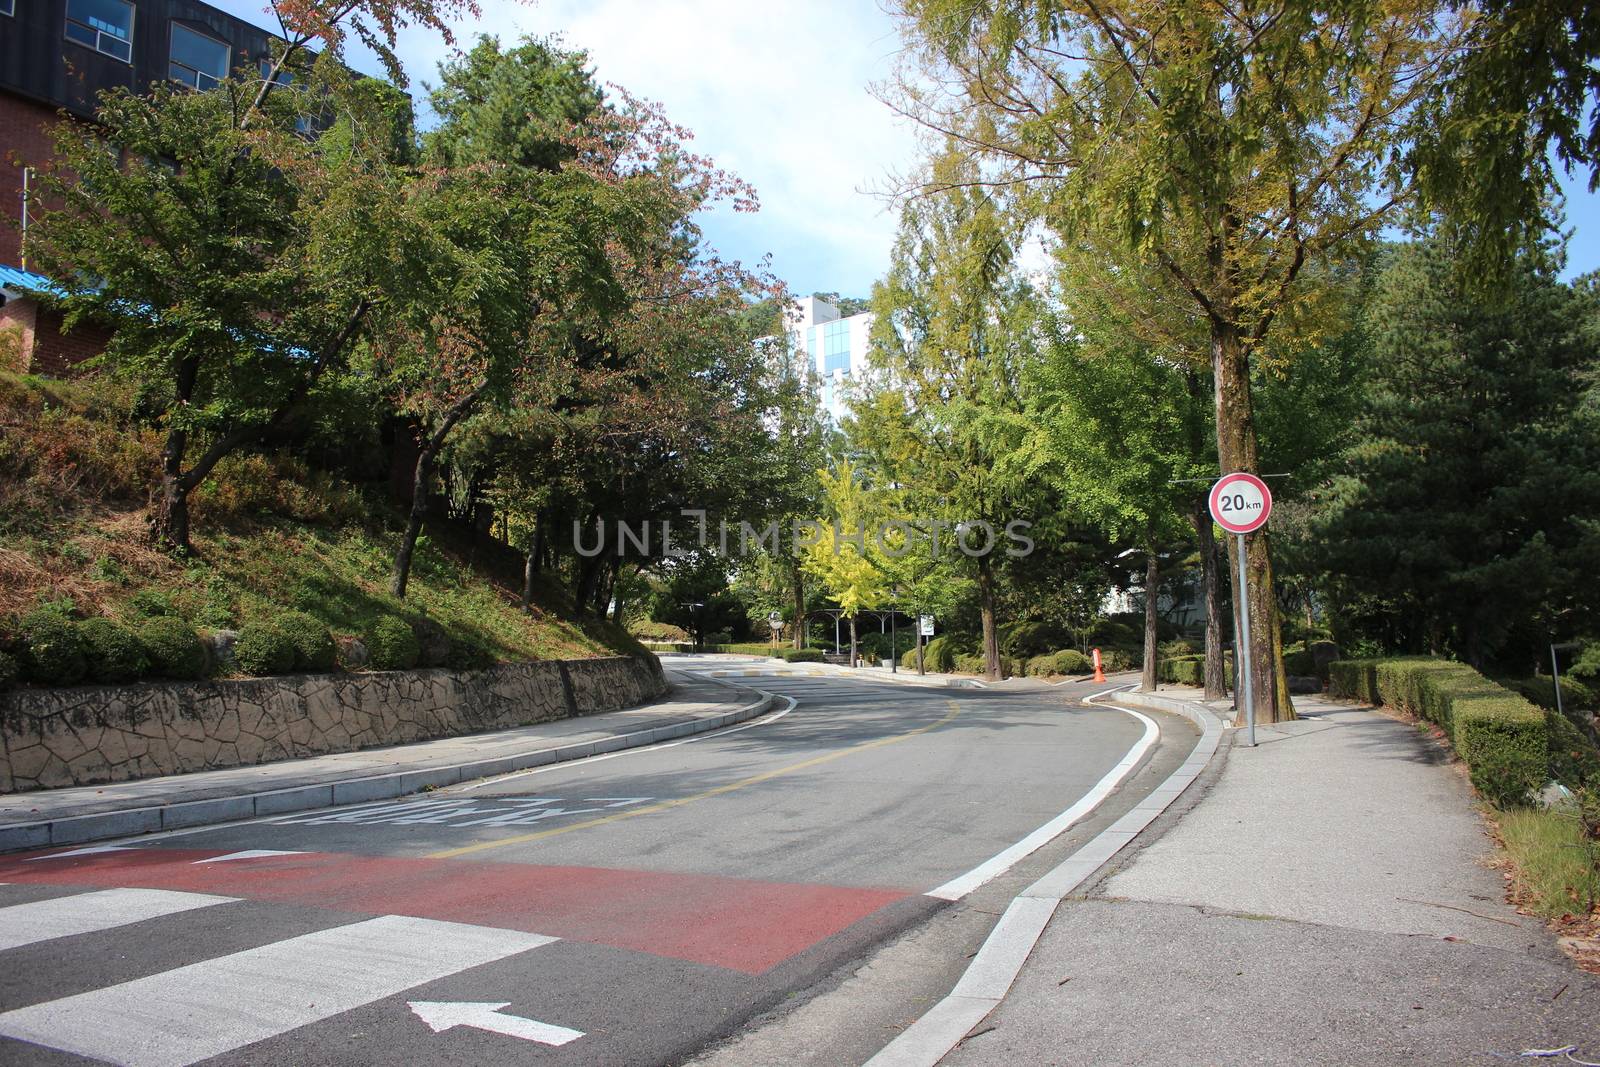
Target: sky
<point>779,92</point>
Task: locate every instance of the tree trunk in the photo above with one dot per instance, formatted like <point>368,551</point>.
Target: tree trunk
<point>530,568</point>
<point>1152,588</point>
<point>1216,678</point>
<point>854,659</point>
<point>169,525</point>
<point>420,480</point>
<point>799,604</point>
<point>991,635</point>
<point>1236,451</point>
<point>920,669</point>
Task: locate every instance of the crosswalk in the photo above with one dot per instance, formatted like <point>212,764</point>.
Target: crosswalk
<point>215,1005</point>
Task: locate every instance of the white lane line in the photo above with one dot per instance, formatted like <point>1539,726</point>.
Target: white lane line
<point>45,920</point>
<point>446,1015</point>
<point>961,885</point>
<point>989,976</point>
<point>765,720</point>
<point>192,1013</point>
<point>249,854</point>
<point>90,851</point>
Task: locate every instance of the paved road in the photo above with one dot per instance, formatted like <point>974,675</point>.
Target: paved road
<point>625,909</point>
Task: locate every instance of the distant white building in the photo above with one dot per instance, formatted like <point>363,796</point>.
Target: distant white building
<point>834,348</point>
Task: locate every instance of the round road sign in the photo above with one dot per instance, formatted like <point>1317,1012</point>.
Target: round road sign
<point>1240,502</point>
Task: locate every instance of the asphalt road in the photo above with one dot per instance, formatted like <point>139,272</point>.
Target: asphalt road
<point>628,909</point>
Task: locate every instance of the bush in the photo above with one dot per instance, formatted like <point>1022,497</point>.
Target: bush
<point>1124,658</point>
<point>471,656</point>
<point>1574,760</point>
<point>10,671</point>
<point>174,648</point>
<point>1502,737</point>
<point>801,655</point>
<point>114,652</point>
<point>969,663</point>
<point>939,654</point>
<point>52,649</point>
<point>1540,691</point>
<point>1298,661</point>
<point>746,648</point>
<point>393,645</point>
<point>314,649</point>
<point>1029,639</point>
<point>718,637</point>
<point>264,649</point>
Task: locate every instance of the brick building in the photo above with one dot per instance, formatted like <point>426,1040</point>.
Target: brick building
<point>59,55</point>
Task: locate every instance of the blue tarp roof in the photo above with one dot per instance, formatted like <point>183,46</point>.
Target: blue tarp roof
<point>17,278</point>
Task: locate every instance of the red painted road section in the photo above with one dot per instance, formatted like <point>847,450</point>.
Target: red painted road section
<point>740,924</point>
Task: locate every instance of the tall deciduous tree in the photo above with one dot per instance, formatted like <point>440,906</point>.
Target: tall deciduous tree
<point>1229,146</point>
<point>955,327</point>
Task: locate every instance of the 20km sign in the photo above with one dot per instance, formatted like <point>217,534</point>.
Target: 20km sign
<point>1240,502</point>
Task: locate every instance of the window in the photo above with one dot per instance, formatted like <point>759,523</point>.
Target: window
<point>836,346</point>
<point>104,25</point>
<point>8,7</point>
<point>198,61</point>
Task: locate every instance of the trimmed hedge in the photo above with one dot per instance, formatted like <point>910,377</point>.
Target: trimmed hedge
<point>314,649</point>
<point>392,645</point>
<point>800,655</point>
<point>1503,738</point>
<point>114,652</point>
<point>1066,661</point>
<point>52,650</point>
<point>175,649</point>
<point>264,649</point>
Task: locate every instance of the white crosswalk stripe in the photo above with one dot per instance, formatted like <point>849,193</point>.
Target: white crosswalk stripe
<point>45,920</point>
<point>191,1013</point>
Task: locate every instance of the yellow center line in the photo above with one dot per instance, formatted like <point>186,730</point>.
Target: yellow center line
<point>668,805</point>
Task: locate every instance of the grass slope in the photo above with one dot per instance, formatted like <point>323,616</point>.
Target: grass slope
<point>271,535</point>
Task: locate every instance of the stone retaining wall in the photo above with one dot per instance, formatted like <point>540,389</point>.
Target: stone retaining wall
<point>85,735</point>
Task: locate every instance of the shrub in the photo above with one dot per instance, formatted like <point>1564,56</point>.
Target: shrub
<point>1540,691</point>
<point>1124,658</point>
<point>114,652</point>
<point>801,655</point>
<point>151,603</point>
<point>969,663</point>
<point>52,649</point>
<point>1574,760</point>
<point>1502,737</point>
<point>314,649</point>
<point>1298,661</point>
<point>264,649</point>
<point>747,648</point>
<point>470,656</point>
<point>393,645</point>
<point>939,654</point>
<point>718,637</point>
<point>1026,639</point>
<point>1071,661</point>
<point>10,671</point>
<point>175,649</point>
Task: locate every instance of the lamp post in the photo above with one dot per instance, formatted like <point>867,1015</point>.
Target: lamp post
<point>894,632</point>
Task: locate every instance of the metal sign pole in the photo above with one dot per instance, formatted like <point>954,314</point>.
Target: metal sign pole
<point>1243,644</point>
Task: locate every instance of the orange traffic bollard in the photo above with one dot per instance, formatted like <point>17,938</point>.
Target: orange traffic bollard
<point>1099,673</point>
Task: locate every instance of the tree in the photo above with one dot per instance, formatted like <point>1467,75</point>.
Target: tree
<point>242,262</point>
<point>1462,521</point>
<point>954,329</point>
<point>844,561</point>
<point>1229,148</point>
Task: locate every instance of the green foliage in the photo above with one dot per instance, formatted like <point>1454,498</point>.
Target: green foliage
<point>52,649</point>
<point>1462,517</point>
<point>801,655</point>
<point>114,652</point>
<point>1067,661</point>
<point>967,663</point>
<point>174,647</point>
<point>1030,638</point>
<point>1502,737</point>
<point>314,649</point>
<point>392,644</point>
<point>10,671</point>
<point>1574,759</point>
<point>263,649</point>
<point>939,654</point>
<point>1539,690</point>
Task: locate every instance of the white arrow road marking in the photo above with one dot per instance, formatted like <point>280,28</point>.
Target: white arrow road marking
<point>444,1015</point>
<point>44,920</point>
<point>192,1013</point>
<point>249,854</point>
<point>90,851</point>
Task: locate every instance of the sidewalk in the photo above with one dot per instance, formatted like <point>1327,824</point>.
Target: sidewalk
<point>1325,902</point>
<point>93,813</point>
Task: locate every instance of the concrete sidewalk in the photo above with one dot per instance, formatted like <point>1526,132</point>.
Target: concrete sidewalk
<point>1327,901</point>
<point>93,813</point>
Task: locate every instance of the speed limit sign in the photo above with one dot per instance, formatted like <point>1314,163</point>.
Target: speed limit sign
<point>1240,502</point>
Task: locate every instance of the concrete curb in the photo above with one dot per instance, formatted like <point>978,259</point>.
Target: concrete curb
<point>80,829</point>
<point>988,977</point>
<point>938,682</point>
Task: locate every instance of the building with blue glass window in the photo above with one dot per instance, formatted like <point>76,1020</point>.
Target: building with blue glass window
<point>833,347</point>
